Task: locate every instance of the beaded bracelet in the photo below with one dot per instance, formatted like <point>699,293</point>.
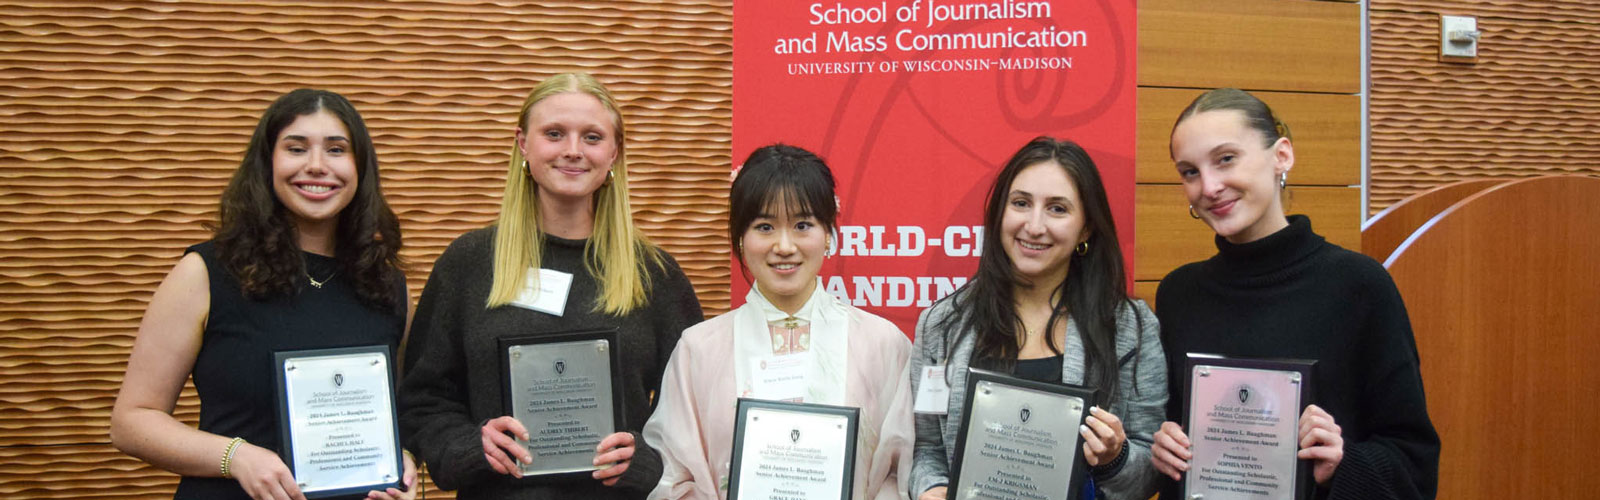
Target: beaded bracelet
<point>1107,469</point>
<point>227,457</point>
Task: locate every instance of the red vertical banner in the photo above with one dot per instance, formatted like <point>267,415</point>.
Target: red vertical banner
<point>916,104</point>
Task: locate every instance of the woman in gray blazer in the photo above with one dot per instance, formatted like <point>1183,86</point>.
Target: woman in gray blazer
<point>1049,303</point>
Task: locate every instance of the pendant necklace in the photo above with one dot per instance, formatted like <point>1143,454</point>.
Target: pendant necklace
<point>318,283</point>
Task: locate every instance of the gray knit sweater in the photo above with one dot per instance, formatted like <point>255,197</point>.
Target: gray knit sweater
<point>453,381</point>
<point>1140,405</point>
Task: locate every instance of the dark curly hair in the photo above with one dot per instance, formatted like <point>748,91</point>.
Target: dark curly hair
<point>256,238</point>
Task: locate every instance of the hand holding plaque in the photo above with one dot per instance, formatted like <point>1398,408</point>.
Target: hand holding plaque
<point>565,390</point>
<point>1020,440</point>
<point>792,451</point>
<point>337,420</point>
<point>1243,421</point>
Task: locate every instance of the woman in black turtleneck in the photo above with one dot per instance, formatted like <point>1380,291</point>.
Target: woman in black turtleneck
<point>1276,289</point>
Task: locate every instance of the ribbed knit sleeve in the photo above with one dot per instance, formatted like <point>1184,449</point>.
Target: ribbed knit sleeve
<point>1399,456</point>
<point>676,308</point>
<point>435,419</point>
<point>644,470</point>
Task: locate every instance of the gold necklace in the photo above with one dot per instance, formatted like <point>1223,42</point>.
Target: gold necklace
<point>1029,330</point>
<point>318,283</point>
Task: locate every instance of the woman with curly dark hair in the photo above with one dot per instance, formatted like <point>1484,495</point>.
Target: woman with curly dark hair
<point>306,257</point>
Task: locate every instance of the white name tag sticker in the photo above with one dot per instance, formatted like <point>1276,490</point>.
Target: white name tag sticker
<point>933,394</point>
<point>546,292</point>
<point>780,378</point>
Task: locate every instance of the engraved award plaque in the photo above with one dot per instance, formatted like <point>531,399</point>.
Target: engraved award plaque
<point>1020,440</point>
<point>337,420</point>
<point>565,389</point>
<point>1243,418</point>
<point>792,451</point>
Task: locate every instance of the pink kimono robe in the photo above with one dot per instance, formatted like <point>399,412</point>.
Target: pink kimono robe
<point>693,424</point>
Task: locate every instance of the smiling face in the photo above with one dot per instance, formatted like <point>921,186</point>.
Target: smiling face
<point>784,247</point>
<point>1042,222</point>
<point>569,142</point>
<point>1230,174</point>
<point>313,169</point>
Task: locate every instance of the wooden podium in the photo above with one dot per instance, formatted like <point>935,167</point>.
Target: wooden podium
<point>1502,283</point>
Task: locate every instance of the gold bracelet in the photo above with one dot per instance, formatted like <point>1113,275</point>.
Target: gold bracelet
<point>227,456</point>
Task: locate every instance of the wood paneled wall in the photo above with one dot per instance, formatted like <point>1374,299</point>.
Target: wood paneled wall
<point>1302,58</point>
<point>1529,106</point>
<point>120,121</point>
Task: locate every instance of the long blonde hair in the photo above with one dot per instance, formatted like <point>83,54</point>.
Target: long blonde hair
<point>616,254</point>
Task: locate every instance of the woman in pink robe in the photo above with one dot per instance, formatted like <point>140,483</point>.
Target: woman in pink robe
<point>783,212</point>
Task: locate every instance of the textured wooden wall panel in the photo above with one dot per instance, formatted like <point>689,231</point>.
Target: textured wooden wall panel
<point>1582,11</point>
<point>1529,106</point>
<point>94,471</point>
<point>1292,45</point>
<point>121,121</point>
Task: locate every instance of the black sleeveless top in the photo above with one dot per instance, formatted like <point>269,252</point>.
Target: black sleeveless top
<point>233,371</point>
<point>1040,369</point>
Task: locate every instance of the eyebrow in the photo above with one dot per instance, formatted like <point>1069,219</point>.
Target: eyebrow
<point>570,124</point>
<point>1224,145</point>
<point>800,215</point>
<point>1061,199</point>
<point>1214,149</point>
<point>330,138</point>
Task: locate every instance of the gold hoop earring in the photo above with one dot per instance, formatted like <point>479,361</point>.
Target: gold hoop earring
<point>1083,247</point>
<point>1192,214</point>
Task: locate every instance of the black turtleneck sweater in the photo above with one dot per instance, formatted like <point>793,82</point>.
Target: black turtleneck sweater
<point>1294,295</point>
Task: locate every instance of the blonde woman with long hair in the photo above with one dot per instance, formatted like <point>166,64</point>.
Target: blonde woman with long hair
<point>565,217</point>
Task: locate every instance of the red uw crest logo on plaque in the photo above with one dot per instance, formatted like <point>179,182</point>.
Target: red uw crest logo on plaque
<point>916,104</point>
